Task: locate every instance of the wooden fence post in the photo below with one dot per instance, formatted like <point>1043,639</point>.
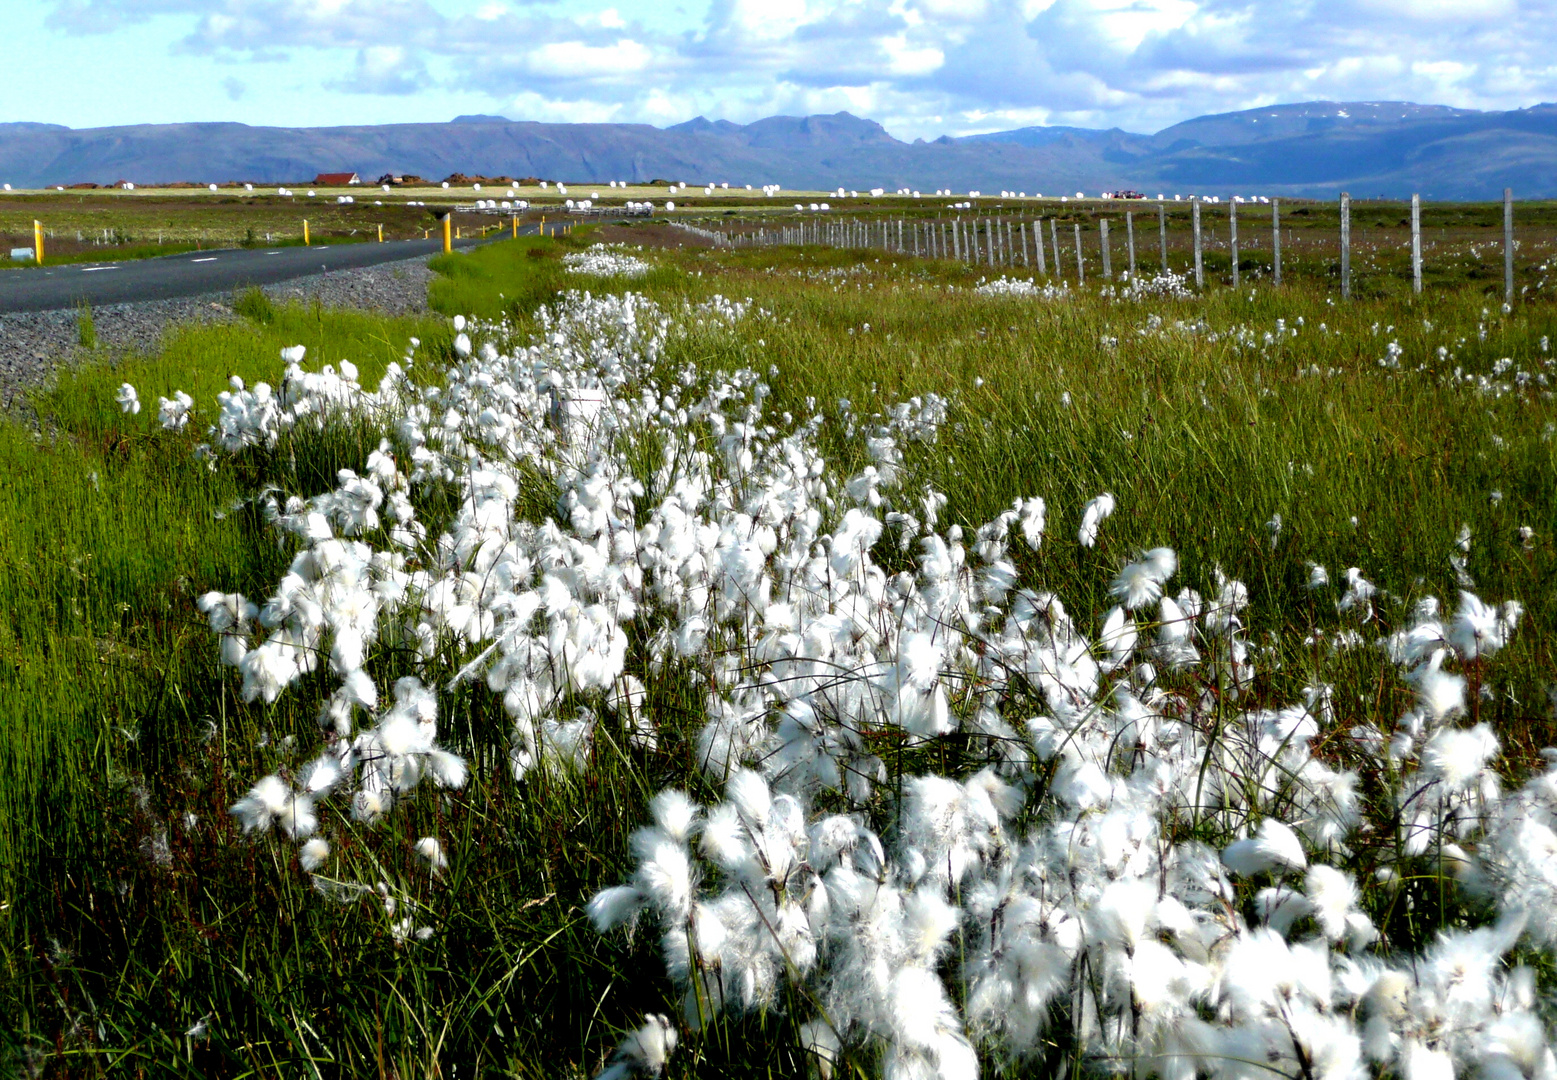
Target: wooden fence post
<point>1232,236</point>
<point>1162,232</point>
<point>1275,238</point>
<point>1054,246</point>
<point>1130,240</point>
<point>1081,270</point>
<point>1108,267</point>
<point>1416,243</point>
<point>1346,246</point>
<point>1508,245</point>
<point>1200,271</point>
<point>1043,267</point>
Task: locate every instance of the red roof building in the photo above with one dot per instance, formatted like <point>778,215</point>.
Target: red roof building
<point>336,179</point>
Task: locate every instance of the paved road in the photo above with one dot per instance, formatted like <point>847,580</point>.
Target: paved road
<point>46,288</point>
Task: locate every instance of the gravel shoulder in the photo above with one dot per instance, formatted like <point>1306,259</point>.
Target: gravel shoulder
<point>36,344</point>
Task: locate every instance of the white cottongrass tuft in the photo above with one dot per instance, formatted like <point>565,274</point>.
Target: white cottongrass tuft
<point>1273,847</point>
<point>1082,858</point>
<point>601,260</point>
<point>646,1052</point>
<point>1023,287</point>
<point>312,854</point>
<point>1092,517</point>
<point>431,852</point>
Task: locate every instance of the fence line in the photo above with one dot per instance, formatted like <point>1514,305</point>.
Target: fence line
<point>999,241</point>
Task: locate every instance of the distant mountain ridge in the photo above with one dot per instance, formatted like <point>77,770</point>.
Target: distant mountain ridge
<point>1312,149</point>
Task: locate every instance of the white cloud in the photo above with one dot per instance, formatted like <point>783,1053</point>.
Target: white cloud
<point>577,60</point>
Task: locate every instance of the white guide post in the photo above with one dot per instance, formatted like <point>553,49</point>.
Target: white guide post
<point>1232,236</point>
<point>1416,243</point>
<point>1200,270</point>
<point>1346,246</point>
<point>1275,239</point>
<point>1508,245</point>
<point>1162,233</point>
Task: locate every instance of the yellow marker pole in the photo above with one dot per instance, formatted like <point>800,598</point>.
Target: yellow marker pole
<point>516,226</point>
<point>37,240</point>
<point>448,245</point>
<point>543,224</point>
<point>456,232</point>
<point>305,233</point>
<point>381,234</point>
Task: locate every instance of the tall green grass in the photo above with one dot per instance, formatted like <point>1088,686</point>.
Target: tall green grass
<point>134,910</point>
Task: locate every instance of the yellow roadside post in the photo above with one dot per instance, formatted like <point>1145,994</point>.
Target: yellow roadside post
<point>305,233</point>
<point>381,234</point>
<point>448,246</point>
<point>543,224</point>
<point>456,232</point>
<point>516,226</point>
<point>37,240</point>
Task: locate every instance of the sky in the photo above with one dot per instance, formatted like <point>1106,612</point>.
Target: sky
<point>923,68</point>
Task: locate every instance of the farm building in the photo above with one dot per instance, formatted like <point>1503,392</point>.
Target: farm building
<point>336,179</point>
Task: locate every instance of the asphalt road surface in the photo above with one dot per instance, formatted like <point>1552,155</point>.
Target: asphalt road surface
<point>195,273</point>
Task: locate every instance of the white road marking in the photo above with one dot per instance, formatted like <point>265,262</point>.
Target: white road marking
<point>90,269</point>
<point>210,259</point>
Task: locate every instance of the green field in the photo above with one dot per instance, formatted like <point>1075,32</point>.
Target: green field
<point>1256,432</point>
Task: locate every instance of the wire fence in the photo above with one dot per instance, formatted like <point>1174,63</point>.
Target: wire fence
<point>1037,243</point>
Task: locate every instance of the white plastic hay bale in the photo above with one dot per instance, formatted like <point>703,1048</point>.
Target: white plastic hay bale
<point>23,254</point>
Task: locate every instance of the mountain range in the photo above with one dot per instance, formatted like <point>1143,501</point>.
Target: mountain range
<point>1312,149</point>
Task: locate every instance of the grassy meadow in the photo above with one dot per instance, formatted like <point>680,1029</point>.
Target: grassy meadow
<point>142,934</point>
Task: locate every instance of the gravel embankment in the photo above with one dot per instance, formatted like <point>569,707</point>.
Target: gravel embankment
<point>34,344</point>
